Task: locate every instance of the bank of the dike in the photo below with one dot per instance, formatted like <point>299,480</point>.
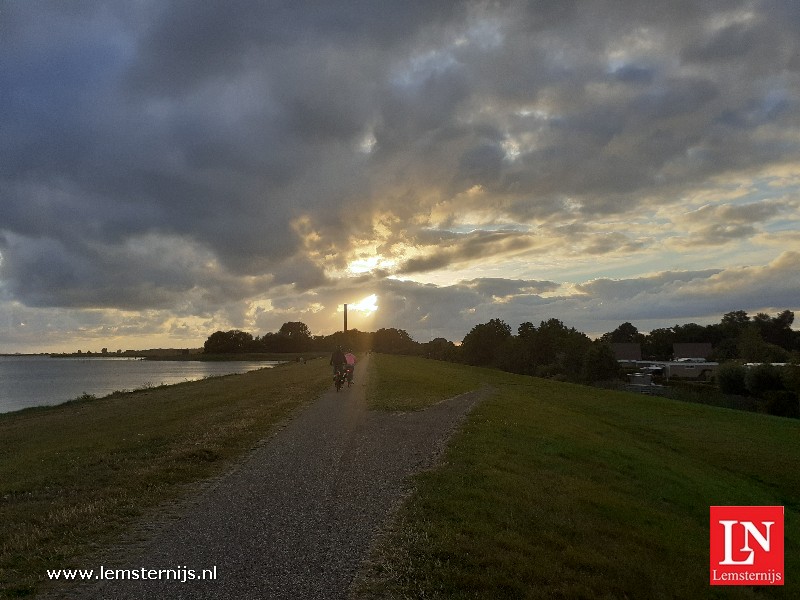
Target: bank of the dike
<point>547,490</point>
<point>77,476</point>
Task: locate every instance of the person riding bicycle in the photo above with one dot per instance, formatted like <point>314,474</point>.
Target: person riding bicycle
<point>350,367</point>
<point>338,360</point>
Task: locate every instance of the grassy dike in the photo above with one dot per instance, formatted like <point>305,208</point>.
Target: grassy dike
<point>74,477</point>
<point>549,490</point>
<point>553,490</point>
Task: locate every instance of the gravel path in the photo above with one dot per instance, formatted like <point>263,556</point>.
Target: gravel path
<point>296,519</point>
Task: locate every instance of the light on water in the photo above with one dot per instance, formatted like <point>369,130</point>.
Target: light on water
<point>27,381</point>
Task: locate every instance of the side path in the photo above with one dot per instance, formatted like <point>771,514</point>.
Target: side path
<point>296,519</point>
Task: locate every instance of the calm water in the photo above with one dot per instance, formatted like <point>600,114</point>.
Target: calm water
<point>40,380</point>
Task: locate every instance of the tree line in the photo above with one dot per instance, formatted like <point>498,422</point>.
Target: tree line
<point>550,349</point>
<point>556,351</point>
<point>295,337</point>
<point>737,336</point>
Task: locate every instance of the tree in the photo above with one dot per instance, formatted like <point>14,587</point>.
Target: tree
<point>295,336</point>
<point>658,344</point>
<point>734,322</point>
<point>599,363</point>
<point>394,341</point>
<point>560,350</point>
<point>295,329</point>
<point>481,345</point>
<point>526,330</point>
<point>776,330</point>
<point>753,348</point>
<point>731,379</point>
<point>763,378</point>
<point>691,333</point>
<point>227,342</point>
<point>525,349</point>
<point>440,349</point>
<point>512,356</point>
<point>726,349</point>
<point>624,334</point>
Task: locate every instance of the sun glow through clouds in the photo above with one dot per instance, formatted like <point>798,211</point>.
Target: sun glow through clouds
<point>369,264</point>
<point>367,305</point>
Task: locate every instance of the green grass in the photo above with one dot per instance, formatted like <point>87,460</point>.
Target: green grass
<point>239,357</point>
<point>74,477</point>
<point>550,490</point>
<point>410,383</point>
<point>554,490</point>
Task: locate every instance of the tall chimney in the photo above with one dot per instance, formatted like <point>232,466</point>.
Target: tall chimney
<point>345,318</point>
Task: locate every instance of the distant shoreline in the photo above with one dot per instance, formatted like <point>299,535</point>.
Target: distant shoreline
<point>175,355</point>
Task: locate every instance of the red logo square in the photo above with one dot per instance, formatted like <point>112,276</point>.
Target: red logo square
<point>747,545</point>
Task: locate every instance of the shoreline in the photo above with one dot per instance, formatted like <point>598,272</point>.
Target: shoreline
<point>80,378</point>
<point>169,437</point>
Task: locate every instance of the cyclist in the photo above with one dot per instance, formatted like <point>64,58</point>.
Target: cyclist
<point>350,358</point>
<point>338,360</point>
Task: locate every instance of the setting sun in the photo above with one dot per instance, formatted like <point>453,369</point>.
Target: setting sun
<point>367,305</point>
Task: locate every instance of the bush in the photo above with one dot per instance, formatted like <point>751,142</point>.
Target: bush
<point>550,372</point>
<point>762,379</point>
<point>731,379</point>
<point>791,378</point>
<point>782,404</point>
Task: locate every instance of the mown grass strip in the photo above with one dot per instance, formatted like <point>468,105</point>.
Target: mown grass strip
<point>75,476</point>
<point>554,490</point>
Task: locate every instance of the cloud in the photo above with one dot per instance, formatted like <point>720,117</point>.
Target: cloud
<point>208,159</point>
<point>716,225</point>
<point>506,288</point>
<point>466,248</point>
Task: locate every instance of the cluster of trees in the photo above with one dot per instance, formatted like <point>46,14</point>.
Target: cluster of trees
<point>295,337</point>
<point>777,388</point>
<point>737,336</point>
<point>556,351</point>
<point>550,350</point>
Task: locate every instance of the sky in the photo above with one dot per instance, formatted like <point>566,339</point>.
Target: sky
<point>171,168</point>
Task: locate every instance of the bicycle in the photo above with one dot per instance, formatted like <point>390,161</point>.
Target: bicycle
<point>339,377</point>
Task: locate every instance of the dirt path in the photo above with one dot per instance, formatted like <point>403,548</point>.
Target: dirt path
<point>296,519</point>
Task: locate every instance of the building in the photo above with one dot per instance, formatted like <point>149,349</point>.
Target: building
<point>627,351</point>
<point>702,350</point>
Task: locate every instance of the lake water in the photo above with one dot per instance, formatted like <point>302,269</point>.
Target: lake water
<point>27,381</point>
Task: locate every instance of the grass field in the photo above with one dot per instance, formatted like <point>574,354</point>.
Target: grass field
<point>550,490</point>
<point>554,490</point>
<point>74,477</point>
<point>406,384</point>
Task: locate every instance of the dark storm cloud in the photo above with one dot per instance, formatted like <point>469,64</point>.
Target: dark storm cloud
<point>157,151</point>
<point>191,43</point>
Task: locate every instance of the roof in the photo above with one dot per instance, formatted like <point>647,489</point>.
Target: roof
<point>697,350</point>
<point>627,351</point>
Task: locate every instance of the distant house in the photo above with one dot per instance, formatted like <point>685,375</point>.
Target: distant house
<point>702,350</point>
<point>627,351</point>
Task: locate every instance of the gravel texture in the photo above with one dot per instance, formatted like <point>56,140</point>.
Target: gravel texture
<point>297,517</point>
